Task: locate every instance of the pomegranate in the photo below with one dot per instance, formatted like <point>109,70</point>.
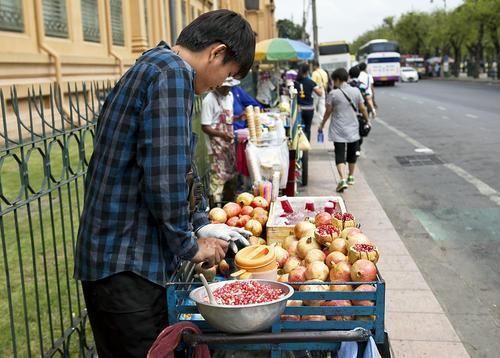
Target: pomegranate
<point>363,251</point>
<point>303,229</point>
<point>334,258</point>
<point>254,240</point>
<point>322,218</point>
<point>292,248</point>
<point>283,278</point>
<point>337,221</point>
<point>246,210</point>
<point>209,271</point>
<point>341,288</point>
<point>294,303</point>
<point>254,227</point>
<point>309,206</point>
<point>313,317</point>
<point>232,209</point>
<point>281,255</point>
<point>348,220</point>
<point>291,263</point>
<point>305,245</point>
<point>356,238</point>
<point>223,267</point>
<point>339,245</point>
<point>288,240</point>
<point>314,255</point>
<point>363,271</point>
<point>325,234</point>
<point>341,272</point>
<point>217,216</point>
<point>260,217</point>
<point>244,199</point>
<point>314,288</point>
<point>243,220</point>
<point>364,288</point>
<point>349,230</point>
<point>259,210</point>
<point>298,274</point>
<point>234,221</point>
<point>338,303</point>
<point>290,317</point>
<point>259,202</point>
<point>317,270</point>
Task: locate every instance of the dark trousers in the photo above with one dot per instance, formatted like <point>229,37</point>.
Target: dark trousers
<point>126,312</point>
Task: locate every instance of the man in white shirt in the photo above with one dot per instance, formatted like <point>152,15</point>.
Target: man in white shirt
<point>321,78</point>
<point>265,89</point>
<point>367,80</point>
<point>217,124</point>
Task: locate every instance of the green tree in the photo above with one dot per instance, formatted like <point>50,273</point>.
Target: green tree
<point>291,30</point>
<point>412,31</point>
<point>457,33</point>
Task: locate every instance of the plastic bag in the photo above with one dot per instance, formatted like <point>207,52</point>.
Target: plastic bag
<point>300,141</point>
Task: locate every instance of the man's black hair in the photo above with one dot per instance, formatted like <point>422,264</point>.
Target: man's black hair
<point>315,63</point>
<point>362,66</point>
<point>340,74</point>
<point>225,27</point>
<point>354,72</point>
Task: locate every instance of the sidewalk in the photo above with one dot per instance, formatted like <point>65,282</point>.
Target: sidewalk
<point>416,323</point>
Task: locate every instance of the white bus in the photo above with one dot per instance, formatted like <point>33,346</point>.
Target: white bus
<point>382,59</point>
<point>333,55</point>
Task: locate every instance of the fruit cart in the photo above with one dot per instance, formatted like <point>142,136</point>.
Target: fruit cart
<point>286,334</point>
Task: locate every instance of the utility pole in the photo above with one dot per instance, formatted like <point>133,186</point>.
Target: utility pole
<point>315,32</point>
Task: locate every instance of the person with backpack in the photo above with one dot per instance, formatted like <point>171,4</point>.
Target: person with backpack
<point>367,79</point>
<point>356,83</point>
<point>342,106</point>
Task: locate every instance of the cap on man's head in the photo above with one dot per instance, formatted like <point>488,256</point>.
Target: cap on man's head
<point>230,82</point>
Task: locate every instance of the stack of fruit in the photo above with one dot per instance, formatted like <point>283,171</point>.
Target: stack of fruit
<point>330,249</point>
<point>248,211</point>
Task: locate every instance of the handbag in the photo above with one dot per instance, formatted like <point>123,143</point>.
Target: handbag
<point>363,124</point>
<point>300,141</point>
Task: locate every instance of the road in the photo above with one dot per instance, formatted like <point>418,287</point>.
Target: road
<point>445,203</point>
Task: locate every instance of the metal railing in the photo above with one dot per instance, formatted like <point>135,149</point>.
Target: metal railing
<point>45,146</point>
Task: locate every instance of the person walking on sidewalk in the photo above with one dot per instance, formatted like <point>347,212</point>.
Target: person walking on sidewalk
<point>321,78</point>
<point>142,214</point>
<point>344,127</point>
<point>367,79</point>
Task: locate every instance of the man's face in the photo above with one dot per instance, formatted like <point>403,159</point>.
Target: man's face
<point>214,71</point>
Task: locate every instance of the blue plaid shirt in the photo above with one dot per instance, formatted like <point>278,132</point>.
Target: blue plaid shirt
<point>136,213</point>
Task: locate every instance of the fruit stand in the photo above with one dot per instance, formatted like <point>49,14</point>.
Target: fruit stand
<point>315,249</point>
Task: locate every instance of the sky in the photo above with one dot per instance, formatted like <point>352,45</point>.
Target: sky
<point>347,19</point>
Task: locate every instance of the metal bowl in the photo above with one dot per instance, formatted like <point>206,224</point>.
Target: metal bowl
<point>244,318</point>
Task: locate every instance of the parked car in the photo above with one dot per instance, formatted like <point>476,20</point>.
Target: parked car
<point>409,74</point>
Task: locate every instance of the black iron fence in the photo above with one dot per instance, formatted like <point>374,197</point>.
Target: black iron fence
<point>46,138</point>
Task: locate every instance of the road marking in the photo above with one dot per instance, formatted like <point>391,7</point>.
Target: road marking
<point>401,134</point>
<point>442,108</point>
<point>471,116</point>
<point>480,185</point>
<point>424,150</point>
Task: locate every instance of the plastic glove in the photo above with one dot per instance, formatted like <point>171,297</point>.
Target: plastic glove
<point>227,233</point>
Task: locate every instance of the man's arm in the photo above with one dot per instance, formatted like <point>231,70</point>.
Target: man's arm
<point>164,154</point>
<point>328,113</point>
<point>215,133</point>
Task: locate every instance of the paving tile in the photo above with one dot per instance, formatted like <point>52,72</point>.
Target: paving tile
<point>403,263</point>
<point>414,301</point>
<point>377,235</point>
<point>426,349</point>
<point>397,280</point>
<point>390,247</point>
<point>420,327</point>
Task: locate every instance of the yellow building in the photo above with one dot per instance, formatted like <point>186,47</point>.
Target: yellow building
<point>80,40</point>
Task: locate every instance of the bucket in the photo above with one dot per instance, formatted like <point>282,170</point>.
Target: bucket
<point>256,258</point>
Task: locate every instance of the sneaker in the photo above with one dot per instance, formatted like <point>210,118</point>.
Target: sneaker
<point>350,180</point>
<point>341,186</point>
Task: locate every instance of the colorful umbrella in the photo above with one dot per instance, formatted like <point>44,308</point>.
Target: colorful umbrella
<point>280,49</point>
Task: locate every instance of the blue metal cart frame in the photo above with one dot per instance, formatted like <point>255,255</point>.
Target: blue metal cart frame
<point>290,335</point>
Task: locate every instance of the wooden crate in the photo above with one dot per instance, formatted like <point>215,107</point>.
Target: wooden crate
<point>279,233</point>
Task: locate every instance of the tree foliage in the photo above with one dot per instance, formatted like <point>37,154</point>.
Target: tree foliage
<point>470,32</point>
<point>291,30</point>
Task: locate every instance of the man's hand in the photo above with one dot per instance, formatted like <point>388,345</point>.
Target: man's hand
<point>227,233</point>
<point>211,250</point>
<point>227,137</point>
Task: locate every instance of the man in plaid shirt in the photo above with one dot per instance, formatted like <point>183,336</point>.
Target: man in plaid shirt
<point>139,219</point>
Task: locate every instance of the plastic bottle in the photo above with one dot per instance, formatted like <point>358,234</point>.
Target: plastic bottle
<point>321,137</point>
